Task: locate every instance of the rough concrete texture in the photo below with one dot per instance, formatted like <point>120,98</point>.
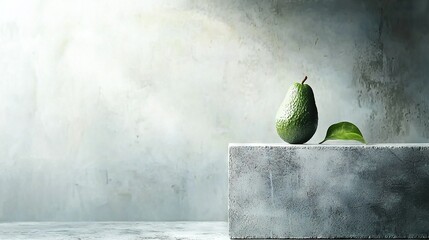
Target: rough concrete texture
<point>358,191</point>
<point>114,230</point>
<point>122,110</point>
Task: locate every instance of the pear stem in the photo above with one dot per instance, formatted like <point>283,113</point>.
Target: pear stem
<point>304,80</point>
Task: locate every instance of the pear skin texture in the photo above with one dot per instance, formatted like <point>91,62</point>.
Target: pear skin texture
<point>297,119</point>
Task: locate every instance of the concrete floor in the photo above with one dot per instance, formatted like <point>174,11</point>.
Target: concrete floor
<point>114,230</point>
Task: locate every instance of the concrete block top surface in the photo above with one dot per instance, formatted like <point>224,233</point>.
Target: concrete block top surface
<point>376,145</point>
<point>301,191</point>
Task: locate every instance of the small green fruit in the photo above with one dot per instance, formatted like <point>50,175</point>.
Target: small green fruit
<point>296,119</point>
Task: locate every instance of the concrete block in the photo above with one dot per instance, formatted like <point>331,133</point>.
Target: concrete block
<point>329,191</point>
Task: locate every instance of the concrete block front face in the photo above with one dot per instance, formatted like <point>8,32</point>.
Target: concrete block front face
<point>327,191</point>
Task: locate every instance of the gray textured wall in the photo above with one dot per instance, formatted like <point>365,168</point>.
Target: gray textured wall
<point>123,111</point>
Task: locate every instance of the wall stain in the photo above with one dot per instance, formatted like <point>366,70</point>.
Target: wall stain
<point>382,75</point>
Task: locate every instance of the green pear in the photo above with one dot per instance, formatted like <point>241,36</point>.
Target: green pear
<point>296,119</point>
